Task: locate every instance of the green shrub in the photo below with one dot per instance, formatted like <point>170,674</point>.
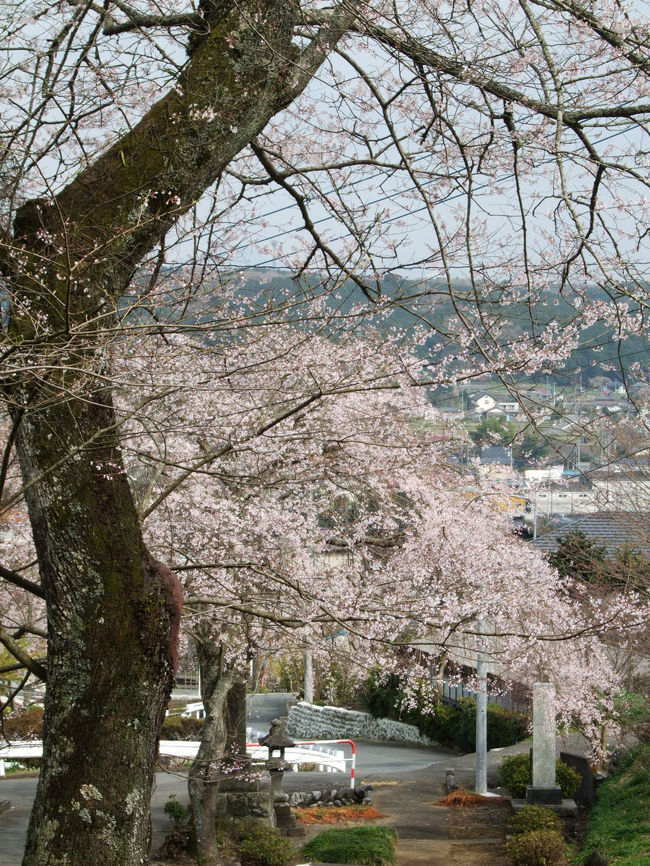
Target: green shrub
<point>367,846</point>
<point>442,725</point>
<point>181,839</point>
<point>534,818</point>
<point>515,774</point>
<point>453,726</point>
<point>504,727</point>
<point>383,695</point>
<point>181,728</point>
<point>263,846</point>
<point>567,778</point>
<point>538,848</point>
<point>175,811</point>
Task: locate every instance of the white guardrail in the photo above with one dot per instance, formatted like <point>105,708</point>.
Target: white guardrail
<point>318,752</point>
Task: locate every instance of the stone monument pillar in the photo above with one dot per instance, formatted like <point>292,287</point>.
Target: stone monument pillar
<point>544,789</point>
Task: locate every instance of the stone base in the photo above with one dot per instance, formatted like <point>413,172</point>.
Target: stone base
<point>287,823</point>
<point>238,799</point>
<point>543,796</point>
<point>564,809</point>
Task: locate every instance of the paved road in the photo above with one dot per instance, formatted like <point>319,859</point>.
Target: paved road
<point>372,759</point>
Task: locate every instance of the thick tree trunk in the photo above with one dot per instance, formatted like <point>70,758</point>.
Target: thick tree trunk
<point>112,612</point>
<point>112,622</point>
<point>204,775</point>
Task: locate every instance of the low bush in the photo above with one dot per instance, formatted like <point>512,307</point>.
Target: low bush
<point>534,818</point>
<point>175,811</point>
<point>383,695</point>
<point>514,775</point>
<point>567,778</point>
<point>442,725</point>
<point>263,846</point>
<point>181,839</point>
<point>181,728</point>
<point>367,846</point>
<point>538,848</point>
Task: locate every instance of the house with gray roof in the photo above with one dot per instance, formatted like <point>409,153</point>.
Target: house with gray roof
<point>613,530</point>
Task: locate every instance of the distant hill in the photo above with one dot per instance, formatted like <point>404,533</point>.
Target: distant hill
<point>395,303</point>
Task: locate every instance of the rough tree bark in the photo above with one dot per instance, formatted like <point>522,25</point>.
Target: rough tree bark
<point>111,610</point>
<point>203,778</point>
<point>113,617</point>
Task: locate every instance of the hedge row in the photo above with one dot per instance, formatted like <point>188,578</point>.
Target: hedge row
<point>452,726</point>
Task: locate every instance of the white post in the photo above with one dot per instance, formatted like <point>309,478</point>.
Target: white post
<point>309,678</point>
<point>481,717</point>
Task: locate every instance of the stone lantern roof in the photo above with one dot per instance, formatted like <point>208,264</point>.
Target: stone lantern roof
<point>277,738</point>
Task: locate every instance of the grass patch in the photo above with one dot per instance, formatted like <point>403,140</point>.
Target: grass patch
<point>370,846</point>
<point>336,814</point>
<point>619,823</point>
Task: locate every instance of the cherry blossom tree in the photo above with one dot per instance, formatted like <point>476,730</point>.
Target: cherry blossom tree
<point>506,142</point>
<point>251,531</point>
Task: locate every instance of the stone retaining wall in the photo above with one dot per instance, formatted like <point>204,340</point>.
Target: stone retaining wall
<point>310,722</point>
<point>340,796</point>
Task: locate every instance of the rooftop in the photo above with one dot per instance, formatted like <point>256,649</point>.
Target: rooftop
<point>611,529</point>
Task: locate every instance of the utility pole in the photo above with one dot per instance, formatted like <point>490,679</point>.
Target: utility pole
<point>481,715</point>
<point>309,678</point>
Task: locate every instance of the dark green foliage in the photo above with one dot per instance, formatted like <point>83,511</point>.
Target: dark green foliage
<point>175,811</point>
<point>578,557</point>
<point>619,823</point>
<point>567,778</point>
<point>369,846</point>
<point>442,725</point>
<point>493,431</point>
<point>531,447</point>
<point>181,839</point>
<point>263,846</point>
<point>452,726</point>
<point>514,775</point>
<point>383,695</point>
<point>538,848</point>
<point>534,818</point>
<point>181,728</point>
<point>504,727</point>
<point>631,570</point>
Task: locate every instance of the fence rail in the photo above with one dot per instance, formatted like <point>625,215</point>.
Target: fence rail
<point>328,760</point>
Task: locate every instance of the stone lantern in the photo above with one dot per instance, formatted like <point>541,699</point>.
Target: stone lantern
<point>276,741</point>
